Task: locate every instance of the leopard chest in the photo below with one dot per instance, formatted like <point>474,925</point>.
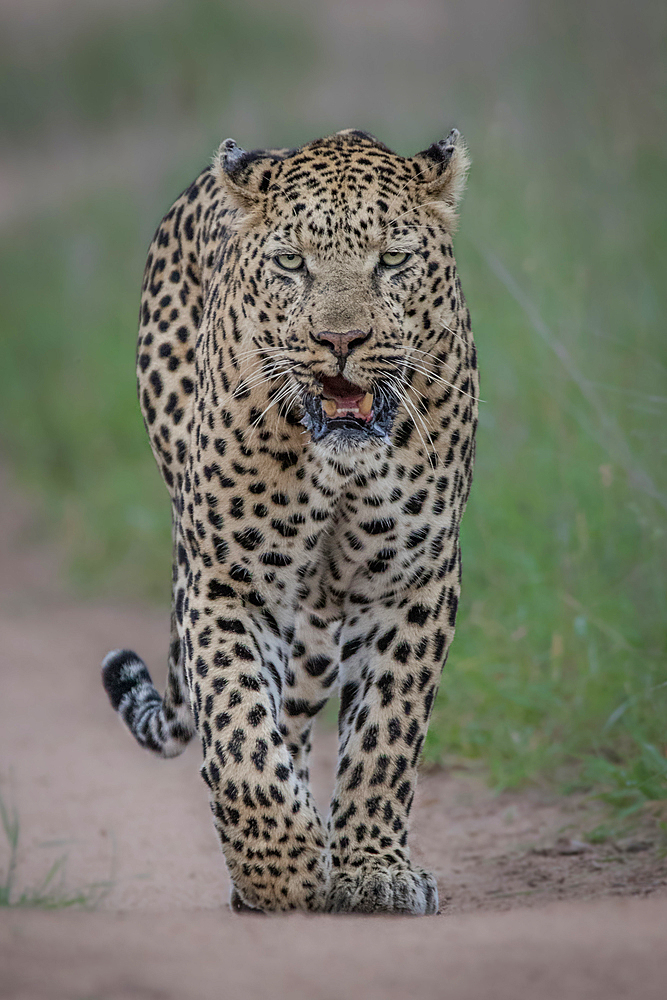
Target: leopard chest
<point>287,536</point>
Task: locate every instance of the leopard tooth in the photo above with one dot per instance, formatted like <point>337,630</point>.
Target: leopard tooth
<point>366,405</point>
<point>329,406</point>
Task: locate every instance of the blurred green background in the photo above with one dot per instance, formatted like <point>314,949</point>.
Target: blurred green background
<point>559,672</point>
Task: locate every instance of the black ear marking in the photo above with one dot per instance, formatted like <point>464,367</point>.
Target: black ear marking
<point>441,152</point>
<point>232,157</point>
<point>441,173</point>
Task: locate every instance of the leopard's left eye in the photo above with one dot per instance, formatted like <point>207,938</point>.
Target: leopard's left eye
<point>393,258</point>
<point>289,261</point>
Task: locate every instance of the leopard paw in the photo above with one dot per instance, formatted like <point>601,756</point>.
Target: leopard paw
<point>374,888</point>
<point>239,905</point>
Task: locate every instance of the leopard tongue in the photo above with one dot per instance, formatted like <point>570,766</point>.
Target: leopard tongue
<point>342,398</point>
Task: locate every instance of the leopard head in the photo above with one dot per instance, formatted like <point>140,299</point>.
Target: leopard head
<point>344,253</point>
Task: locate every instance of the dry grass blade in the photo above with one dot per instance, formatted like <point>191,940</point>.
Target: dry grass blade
<point>612,437</point>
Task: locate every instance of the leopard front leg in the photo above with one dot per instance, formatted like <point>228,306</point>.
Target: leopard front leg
<point>391,660</point>
<point>271,835</point>
<point>310,680</point>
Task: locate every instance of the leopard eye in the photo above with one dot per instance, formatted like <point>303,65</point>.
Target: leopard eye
<point>393,258</point>
<point>289,261</point>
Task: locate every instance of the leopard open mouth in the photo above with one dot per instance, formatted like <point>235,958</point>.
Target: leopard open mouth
<point>356,414</point>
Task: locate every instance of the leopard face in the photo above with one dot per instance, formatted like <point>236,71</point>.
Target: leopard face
<point>348,271</point>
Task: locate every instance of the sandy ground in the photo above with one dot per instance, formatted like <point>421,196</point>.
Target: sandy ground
<point>527,909</point>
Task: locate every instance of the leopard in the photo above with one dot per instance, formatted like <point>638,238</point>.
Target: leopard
<point>308,380</point>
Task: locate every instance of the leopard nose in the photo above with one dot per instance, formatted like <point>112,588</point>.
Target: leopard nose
<point>342,343</point>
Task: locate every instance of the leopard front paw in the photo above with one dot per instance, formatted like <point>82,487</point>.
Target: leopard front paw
<point>375,888</point>
<point>238,903</point>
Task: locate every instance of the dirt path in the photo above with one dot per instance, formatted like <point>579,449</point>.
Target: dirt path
<point>84,791</point>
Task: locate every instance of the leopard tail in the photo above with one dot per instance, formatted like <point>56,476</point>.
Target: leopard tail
<point>163,725</point>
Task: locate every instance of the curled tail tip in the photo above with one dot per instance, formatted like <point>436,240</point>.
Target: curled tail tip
<point>122,670</point>
<point>165,729</point>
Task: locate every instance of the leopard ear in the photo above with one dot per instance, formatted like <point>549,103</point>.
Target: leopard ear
<point>442,170</point>
<point>246,176</point>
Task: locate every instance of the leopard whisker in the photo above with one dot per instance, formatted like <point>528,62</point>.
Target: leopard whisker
<point>286,403</point>
<point>279,395</point>
<point>413,411</point>
<point>282,392</point>
<point>438,378</point>
<point>261,353</point>
<point>428,354</point>
<point>266,371</point>
<point>260,378</point>
<point>268,363</point>
<point>284,398</point>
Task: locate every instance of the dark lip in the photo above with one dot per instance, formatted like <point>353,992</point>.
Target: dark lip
<point>348,429</point>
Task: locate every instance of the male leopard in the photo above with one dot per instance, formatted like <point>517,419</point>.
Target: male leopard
<point>307,376</point>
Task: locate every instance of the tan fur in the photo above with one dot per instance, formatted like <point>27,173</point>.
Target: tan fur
<point>301,563</point>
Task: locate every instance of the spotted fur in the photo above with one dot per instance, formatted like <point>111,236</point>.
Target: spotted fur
<point>311,552</point>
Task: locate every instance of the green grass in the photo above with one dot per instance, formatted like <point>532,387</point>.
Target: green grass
<point>558,672</point>
<point>560,659</point>
<point>166,63</point>
<point>69,396</point>
<point>50,893</point>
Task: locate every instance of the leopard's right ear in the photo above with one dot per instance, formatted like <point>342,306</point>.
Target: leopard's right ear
<point>246,176</point>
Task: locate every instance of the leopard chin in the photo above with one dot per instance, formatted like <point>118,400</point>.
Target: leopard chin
<point>347,416</point>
